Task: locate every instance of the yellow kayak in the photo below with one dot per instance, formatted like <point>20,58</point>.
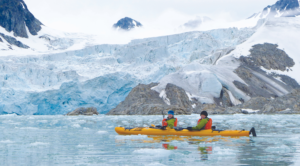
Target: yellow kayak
<point>183,132</point>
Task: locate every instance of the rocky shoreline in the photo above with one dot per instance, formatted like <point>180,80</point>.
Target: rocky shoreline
<point>135,104</point>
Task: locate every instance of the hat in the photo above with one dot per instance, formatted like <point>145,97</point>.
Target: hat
<point>171,112</point>
<point>204,113</point>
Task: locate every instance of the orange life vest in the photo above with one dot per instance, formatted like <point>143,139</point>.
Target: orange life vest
<point>208,124</point>
<point>164,122</point>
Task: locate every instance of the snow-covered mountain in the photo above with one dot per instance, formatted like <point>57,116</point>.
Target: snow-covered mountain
<point>282,8</point>
<point>22,34</point>
<point>54,72</point>
<point>127,24</point>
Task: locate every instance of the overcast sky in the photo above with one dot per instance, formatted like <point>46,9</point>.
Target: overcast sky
<point>98,16</point>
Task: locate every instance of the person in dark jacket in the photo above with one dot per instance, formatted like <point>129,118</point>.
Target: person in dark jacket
<point>202,123</point>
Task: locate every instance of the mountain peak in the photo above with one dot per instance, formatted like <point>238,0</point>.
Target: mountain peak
<point>127,24</point>
<point>15,16</point>
<point>282,8</point>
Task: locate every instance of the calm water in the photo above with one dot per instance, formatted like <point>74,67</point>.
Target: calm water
<point>62,140</point>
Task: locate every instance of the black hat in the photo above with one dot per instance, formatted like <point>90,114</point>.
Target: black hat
<point>204,113</point>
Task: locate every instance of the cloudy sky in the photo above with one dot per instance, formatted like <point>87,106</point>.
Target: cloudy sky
<point>161,16</point>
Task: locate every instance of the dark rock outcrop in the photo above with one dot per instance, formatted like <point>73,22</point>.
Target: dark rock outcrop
<point>260,83</point>
<point>13,41</point>
<point>127,24</point>
<point>287,80</point>
<point>212,109</point>
<point>142,100</point>
<point>15,16</point>
<point>1,39</point>
<point>83,111</point>
<point>268,56</point>
<point>243,87</point>
<point>178,97</point>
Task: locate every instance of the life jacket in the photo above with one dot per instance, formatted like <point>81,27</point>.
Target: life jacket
<point>208,124</point>
<point>164,122</point>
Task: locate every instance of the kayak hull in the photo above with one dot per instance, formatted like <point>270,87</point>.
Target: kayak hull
<point>184,132</point>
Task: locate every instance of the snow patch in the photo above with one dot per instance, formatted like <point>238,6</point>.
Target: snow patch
<point>163,95</point>
<point>22,5</point>
<point>233,100</point>
<point>134,23</point>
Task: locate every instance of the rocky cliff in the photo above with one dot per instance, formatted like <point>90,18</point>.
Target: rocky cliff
<point>15,17</point>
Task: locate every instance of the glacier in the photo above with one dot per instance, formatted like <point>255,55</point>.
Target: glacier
<point>204,82</point>
<point>59,78</point>
<point>71,71</point>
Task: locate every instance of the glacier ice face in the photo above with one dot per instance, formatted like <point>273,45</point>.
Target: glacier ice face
<point>101,92</point>
<point>103,75</point>
<point>204,82</point>
<point>201,84</point>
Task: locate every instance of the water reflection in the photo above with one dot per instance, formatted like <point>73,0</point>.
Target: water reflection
<point>204,151</point>
<point>261,152</point>
<point>169,147</point>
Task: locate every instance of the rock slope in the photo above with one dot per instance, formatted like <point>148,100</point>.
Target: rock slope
<point>287,104</point>
<point>13,15</point>
<point>142,100</point>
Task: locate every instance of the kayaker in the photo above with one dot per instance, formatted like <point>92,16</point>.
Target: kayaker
<point>203,123</point>
<point>170,121</point>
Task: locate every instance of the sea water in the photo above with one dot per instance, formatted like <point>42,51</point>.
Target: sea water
<point>91,140</point>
